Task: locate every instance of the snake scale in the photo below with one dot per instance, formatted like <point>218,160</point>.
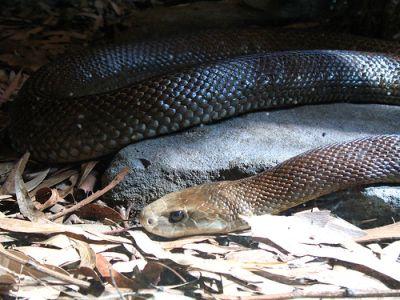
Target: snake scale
<point>216,207</point>
<point>92,103</point>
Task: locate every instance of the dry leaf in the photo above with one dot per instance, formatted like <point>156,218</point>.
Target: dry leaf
<point>391,253</point>
<point>351,279</point>
<point>115,256</point>
<point>86,253</point>
<point>112,276</point>
<point>86,188</point>
<point>54,257</point>
<point>48,196</point>
<point>86,168</point>
<point>116,8</point>
<point>179,243</point>
<point>118,178</point>
<point>38,179</point>
<point>301,238</point>
<point>252,255</point>
<point>152,271</point>
<point>19,263</point>
<point>15,225</point>
<point>5,169</point>
<point>391,231</point>
<point>99,212</point>
<point>9,186</point>
<point>54,179</point>
<point>209,248</point>
<point>217,266</point>
<point>25,203</point>
<point>37,292</point>
<point>129,266</point>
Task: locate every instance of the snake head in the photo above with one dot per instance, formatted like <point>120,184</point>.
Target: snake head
<point>196,210</point>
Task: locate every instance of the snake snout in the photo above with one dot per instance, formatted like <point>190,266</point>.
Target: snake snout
<point>147,219</point>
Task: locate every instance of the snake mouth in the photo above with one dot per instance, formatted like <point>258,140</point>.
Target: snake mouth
<point>193,223</point>
<point>148,219</point>
<point>192,211</point>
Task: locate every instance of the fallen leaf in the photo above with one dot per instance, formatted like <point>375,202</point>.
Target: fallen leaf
<point>54,179</point>
<point>86,253</point>
<point>15,225</point>
<point>211,265</point>
<point>391,231</point>
<point>112,276</point>
<point>86,168</point>
<point>47,197</point>
<point>25,203</point>
<point>301,238</point>
<point>99,212</point>
<point>37,292</point>
<point>129,266</point>
<point>9,186</point>
<point>351,279</point>
<point>19,263</point>
<point>5,169</point>
<point>38,179</point>
<point>152,271</point>
<point>116,8</point>
<point>54,257</point>
<point>391,253</point>
<point>209,248</point>
<point>118,178</point>
<point>115,256</point>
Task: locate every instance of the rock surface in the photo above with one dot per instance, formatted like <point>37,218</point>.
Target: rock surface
<point>243,146</point>
<point>366,208</point>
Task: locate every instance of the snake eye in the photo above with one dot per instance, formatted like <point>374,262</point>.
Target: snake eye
<point>176,216</point>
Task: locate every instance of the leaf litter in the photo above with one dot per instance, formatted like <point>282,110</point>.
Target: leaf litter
<point>59,239</point>
<point>308,254</point>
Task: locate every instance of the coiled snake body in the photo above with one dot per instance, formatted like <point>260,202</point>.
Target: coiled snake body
<point>93,103</point>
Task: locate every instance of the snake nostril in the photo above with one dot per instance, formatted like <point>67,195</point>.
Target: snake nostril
<point>150,221</point>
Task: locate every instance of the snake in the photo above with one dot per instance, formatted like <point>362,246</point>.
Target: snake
<point>91,103</point>
<point>217,207</point>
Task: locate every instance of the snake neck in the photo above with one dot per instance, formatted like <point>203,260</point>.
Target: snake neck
<point>317,173</point>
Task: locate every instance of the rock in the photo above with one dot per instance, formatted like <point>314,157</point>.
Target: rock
<point>364,207</point>
<point>370,207</point>
<point>241,147</point>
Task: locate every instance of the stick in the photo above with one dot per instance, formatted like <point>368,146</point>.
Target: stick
<point>317,294</point>
<point>120,176</point>
<point>43,269</point>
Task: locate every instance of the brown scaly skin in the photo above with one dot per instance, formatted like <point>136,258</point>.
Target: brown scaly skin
<point>97,101</point>
<point>216,207</point>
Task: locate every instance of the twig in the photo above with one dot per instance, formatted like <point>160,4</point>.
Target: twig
<point>121,297</point>
<point>118,230</point>
<point>317,294</point>
<point>43,269</point>
<point>120,176</point>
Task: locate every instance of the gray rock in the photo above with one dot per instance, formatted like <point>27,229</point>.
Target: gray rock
<point>240,147</point>
<point>364,207</point>
<point>371,207</point>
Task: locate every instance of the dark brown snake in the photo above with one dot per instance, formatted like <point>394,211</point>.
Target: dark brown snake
<point>92,103</point>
